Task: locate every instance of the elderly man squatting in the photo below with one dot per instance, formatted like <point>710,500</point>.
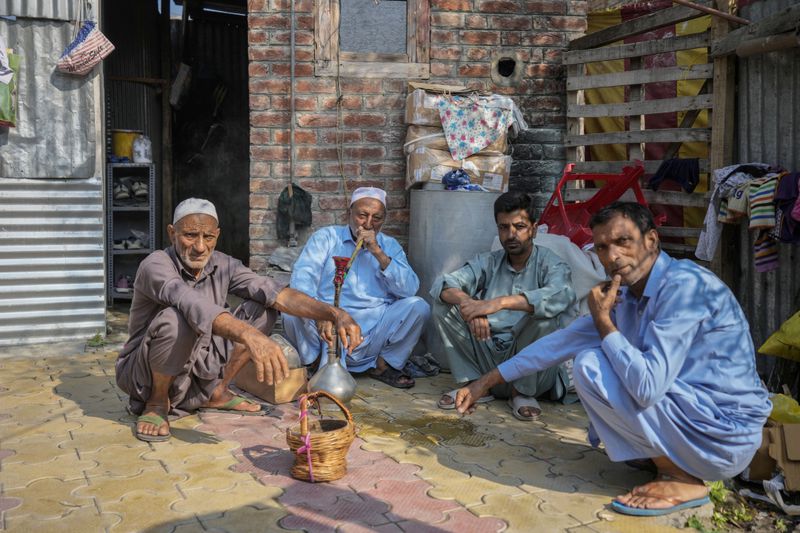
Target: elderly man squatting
<point>501,301</point>
<point>184,345</point>
<point>664,367</point>
<point>379,293</point>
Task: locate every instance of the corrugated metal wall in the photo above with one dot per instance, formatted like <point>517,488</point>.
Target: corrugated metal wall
<point>768,130</point>
<point>42,9</point>
<point>51,228</point>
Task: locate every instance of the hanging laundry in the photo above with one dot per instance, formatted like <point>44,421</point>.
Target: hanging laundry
<point>686,172</point>
<point>786,198</point>
<point>765,252</point>
<point>762,207</point>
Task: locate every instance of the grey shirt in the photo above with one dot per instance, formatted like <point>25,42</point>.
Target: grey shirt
<point>162,282</point>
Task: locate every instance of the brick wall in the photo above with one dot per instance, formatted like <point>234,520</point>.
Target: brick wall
<point>464,37</point>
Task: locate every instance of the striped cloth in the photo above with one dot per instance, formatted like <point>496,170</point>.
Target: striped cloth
<point>762,206</point>
<point>765,252</point>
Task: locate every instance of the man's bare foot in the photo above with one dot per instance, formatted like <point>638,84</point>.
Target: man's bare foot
<point>153,424</point>
<point>225,399</point>
<point>665,492</point>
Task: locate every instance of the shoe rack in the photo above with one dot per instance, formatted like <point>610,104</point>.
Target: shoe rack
<point>131,223</point>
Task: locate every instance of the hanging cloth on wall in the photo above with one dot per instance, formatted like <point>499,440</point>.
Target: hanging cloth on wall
<point>9,74</point>
<point>87,49</point>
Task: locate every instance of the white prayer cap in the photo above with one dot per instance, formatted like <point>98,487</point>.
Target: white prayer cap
<point>368,192</point>
<point>194,206</point>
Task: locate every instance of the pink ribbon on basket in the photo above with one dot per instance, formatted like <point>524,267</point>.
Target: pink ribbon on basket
<point>306,447</point>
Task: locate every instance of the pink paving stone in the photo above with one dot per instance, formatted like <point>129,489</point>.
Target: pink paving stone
<point>410,500</point>
<point>347,510</point>
<point>6,453</point>
<point>6,504</point>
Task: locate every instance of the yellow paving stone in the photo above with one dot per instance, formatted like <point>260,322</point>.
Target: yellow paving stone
<point>537,476</point>
<point>48,498</point>
<point>57,428</point>
<point>86,440</point>
<point>142,510</point>
<point>211,473</point>
<point>120,463</point>
<point>631,524</point>
<point>248,519</point>
<point>109,489</point>
<point>175,451</point>
<point>522,513</point>
<point>583,505</point>
<point>250,493</point>
<point>19,475</point>
<point>82,519</point>
<point>48,457</point>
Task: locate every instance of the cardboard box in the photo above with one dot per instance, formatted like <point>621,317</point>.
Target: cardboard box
<point>780,450</point>
<point>490,171</point>
<point>433,138</point>
<point>422,108</point>
<point>291,388</point>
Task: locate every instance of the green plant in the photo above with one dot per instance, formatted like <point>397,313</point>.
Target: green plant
<point>96,341</point>
<point>695,523</point>
<point>717,492</point>
<point>781,526</point>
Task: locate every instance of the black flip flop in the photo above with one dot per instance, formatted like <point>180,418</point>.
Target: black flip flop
<point>391,377</point>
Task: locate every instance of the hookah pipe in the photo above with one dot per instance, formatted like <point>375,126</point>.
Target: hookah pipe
<point>343,265</point>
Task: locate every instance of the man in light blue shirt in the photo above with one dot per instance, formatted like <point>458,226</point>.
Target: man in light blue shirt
<point>378,292</point>
<point>664,366</point>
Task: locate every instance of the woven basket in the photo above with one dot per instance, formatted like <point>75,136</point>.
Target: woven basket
<point>329,441</point>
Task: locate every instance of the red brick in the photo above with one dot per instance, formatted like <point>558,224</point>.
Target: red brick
<point>384,169</point>
<point>303,6</point>
<point>325,219</point>
<point>333,169</point>
<point>269,118</point>
<point>259,169</point>
<point>360,85</point>
<point>257,70</point>
<point>301,38</point>
<point>315,153</point>
<point>443,70</point>
<point>269,153</point>
<point>554,56</point>
<point>395,135</point>
<point>567,23</point>
<point>300,69</point>
<point>257,5</point>
<point>391,86</point>
<point>263,231</point>
<point>499,6</point>
<point>347,102</point>
<point>555,7</point>
<point>451,5</point>
<point>510,23</point>
<point>363,152</point>
<point>319,185</point>
<point>259,136</point>
<point>481,70</point>
<point>268,53</point>
<point>349,136</point>
<point>447,20</point>
<point>257,216</point>
<point>318,86</point>
<point>259,102</point>
<point>300,137</point>
<point>352,184</point>
<point>543,70</point>
<point>578,7</point>
<point>269,86</point>
<point>452,53</point>
<point>401,215</point>
<point>259,201</point>
<point>443,37</point>
<point>355,120</point>
<point>546,103</point>
<point>301,103</point>
<point>548,39</point>
<point>384,102</point>
<point>476,22</point>
<point>316,120</point>
<point>268,21</point>
<point>303,169</point>
<point>332,202</point>
<point>257,37</point>
<point>480,37</point>
<point>267,184</point>
<point>396,202</point>
<point>304,22</point>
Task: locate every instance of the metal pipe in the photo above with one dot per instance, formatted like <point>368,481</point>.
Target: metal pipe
<point>768,44</point>
<point>712,11</point>
<point>292,230</point>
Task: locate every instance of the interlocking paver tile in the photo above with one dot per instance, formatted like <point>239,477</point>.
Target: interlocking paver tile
<point>141,510</point>
<point>409,499</point>
<point>120,460</point>
<point>244,492</point>
<point>245,520</point>
<point>108,489</point>
<point>48,498</point>
<point>19,475</point>
<point>523,513</point>
<point>82,519</point>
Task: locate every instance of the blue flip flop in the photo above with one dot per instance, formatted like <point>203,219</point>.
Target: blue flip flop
<point>636,511</point>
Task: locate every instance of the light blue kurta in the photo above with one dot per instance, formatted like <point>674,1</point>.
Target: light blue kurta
<point>678,379</point>
<point>382,302</point>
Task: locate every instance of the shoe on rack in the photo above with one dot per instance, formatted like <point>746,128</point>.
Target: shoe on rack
<point>121,245</point>
<point>123,284</point>
<point>139,189</point>
<point>121,192</point>
<point>133,243</point>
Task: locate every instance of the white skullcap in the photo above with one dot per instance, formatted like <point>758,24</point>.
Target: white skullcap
<point>194,206</point>
<point>368,192</point>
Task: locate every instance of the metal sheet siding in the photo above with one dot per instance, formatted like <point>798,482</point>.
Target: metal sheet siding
<point>41,9</point>
<point>51,260</point>
<point>55,134</point>
<point>768,130</point>
<point>51,228</point>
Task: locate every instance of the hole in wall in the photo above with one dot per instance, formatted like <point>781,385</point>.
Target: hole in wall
<point>506,66</point>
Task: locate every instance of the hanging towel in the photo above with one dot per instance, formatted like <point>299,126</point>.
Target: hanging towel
<point>762,206</point>
<point>686,172</point>
<point>470,125</point>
